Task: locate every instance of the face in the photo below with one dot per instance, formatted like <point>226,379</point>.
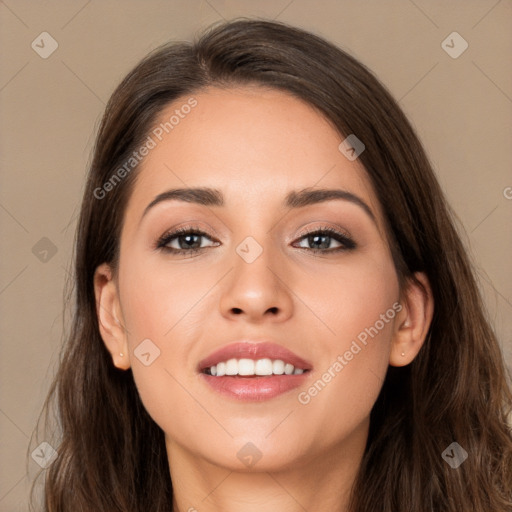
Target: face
<point>314,277</point>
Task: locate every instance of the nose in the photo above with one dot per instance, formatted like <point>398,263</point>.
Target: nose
<point>258,290</point>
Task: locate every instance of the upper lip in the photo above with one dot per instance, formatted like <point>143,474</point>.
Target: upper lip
<point>253,350</point>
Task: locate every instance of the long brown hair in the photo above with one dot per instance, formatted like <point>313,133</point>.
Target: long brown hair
<point>112,455</point>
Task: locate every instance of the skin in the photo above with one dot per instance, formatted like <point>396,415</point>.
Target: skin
<point>256,145</point>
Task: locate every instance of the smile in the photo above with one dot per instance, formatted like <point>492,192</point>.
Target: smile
<point>253,371</point>
<point>252,368</point>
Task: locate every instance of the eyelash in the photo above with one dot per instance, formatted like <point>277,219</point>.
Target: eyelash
<point>347,243</point>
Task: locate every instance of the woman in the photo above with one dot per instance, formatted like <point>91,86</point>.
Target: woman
<point>273,308</point>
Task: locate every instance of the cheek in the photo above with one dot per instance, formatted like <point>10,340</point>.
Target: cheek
<point>359,307</point>
<point>159,305</point>
<point>157,298</point>
<point>347,297</point>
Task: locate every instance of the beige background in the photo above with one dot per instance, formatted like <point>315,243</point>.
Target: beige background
<point>461,108</point>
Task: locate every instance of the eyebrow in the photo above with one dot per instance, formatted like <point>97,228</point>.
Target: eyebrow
<point>206,196</point>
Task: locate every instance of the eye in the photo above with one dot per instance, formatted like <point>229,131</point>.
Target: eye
<point>187,240</point>
<point>182,240</point>
<point>323,237</point>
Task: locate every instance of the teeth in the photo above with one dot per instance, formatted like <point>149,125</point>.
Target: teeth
<point>278,367</point>
<point>250,367</point>
<point>245,366</point>
<point>232,367</point>
<point>263,367</point>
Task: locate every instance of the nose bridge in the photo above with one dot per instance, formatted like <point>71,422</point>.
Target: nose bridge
<point>255,257</point>
<point>257,283</point>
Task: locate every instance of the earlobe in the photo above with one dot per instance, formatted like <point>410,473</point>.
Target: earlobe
<point>413,322</point>
<point>108,311</point>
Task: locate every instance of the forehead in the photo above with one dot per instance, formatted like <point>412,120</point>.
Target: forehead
<point>253,143</point>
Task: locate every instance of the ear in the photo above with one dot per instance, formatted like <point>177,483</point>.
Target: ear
<point>110,319</point>
<point>413,321</point>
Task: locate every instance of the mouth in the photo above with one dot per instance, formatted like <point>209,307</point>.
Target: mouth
<point>253,368</point>
<point>246,358</point>
<point>254,371</point>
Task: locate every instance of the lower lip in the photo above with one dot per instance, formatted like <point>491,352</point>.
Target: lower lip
<point>255,389</point>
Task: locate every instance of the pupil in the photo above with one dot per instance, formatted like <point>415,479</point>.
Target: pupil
<point>314,239</point>
<point>188,240</point>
